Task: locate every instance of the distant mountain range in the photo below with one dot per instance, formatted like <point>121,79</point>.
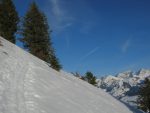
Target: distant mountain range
<point>124,86</point>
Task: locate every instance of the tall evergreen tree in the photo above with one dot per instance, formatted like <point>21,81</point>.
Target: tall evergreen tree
<point>36,36</point>
<point>8,20</point>
<point>144,96</point>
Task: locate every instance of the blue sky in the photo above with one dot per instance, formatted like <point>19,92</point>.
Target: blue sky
<point>102,36</point>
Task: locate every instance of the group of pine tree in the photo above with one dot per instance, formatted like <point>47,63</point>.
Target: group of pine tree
<point>34,30</point>
<point>88,77</point>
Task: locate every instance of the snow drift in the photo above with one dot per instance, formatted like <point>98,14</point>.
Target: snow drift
<point>29,85</point>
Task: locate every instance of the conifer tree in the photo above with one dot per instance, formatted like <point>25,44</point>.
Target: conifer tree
<point>8,20</point>
<point>36,36</point>
<point>144,96</point>
<point>90,78</point>
<point>54,62</point>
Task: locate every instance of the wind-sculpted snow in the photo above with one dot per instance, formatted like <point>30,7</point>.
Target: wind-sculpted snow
<point>29,85</point>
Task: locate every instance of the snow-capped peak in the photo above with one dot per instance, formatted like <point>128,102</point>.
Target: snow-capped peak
<point>143,72</point>
<point>126,74</point>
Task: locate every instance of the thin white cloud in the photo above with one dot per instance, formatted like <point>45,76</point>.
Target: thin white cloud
<point>126,45</point>
<point>56,9</point>
<point>90,53</point>
<point>60,18</point>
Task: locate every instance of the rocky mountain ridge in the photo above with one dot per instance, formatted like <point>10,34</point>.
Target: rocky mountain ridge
<point>124,86</point>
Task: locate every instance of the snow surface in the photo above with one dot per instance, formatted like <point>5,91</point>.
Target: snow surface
<point>29,85</point>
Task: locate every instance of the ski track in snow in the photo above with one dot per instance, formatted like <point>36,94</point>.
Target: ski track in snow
<point>13,83</point>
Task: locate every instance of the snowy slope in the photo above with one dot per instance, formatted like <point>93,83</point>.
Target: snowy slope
<point>28,85</point>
